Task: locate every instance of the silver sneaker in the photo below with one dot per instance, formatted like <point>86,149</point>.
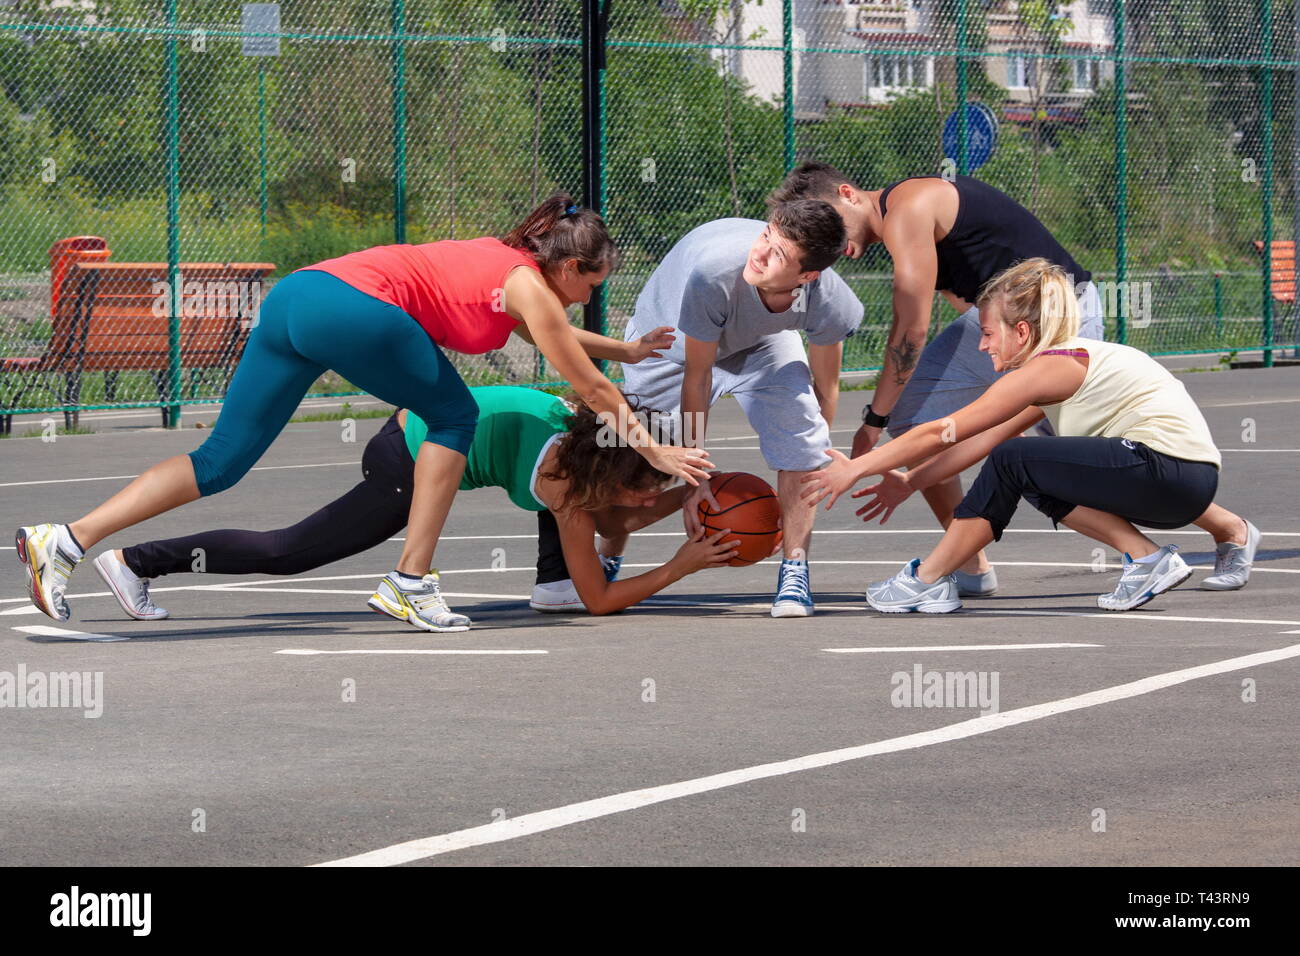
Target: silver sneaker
<point>1141,582</point>
<point>423,606</point>
<point>1232,562</point>
<point>131,590</point>
<point>976,585</point>
<point>905,592</point>
<point>48,568</point>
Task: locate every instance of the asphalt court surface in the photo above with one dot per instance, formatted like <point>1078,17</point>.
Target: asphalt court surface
<point>765,741</point>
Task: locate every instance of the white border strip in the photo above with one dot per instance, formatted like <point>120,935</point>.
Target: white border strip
<point>950,647</point>
<point>543,820</point>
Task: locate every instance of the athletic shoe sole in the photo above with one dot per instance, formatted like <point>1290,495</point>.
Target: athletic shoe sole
<point>1166,582</point>
<point>568,608</point>
<point>791,610</point>
<point>34,590</point>
<point>107,577</point>
<point>379,605</point>
<point>925,607</point>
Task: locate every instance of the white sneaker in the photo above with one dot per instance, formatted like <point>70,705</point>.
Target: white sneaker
<point>557,597</point>
<point>48,567</point>
<point>422,606</point>
<point>1232,563</point>
<point>1140,582</point>
<point>131,590</point>
<point>905,592</point>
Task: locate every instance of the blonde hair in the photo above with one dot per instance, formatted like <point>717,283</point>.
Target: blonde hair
<point>1040,294</point>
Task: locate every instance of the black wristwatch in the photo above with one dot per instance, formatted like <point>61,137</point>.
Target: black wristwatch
<point>872,420</point>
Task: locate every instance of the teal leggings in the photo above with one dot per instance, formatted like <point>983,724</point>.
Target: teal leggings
<point>312,322</point>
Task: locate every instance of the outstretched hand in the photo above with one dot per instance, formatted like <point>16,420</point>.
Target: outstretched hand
<point>651,345</point>
<point>888,493</point>
<point>831,482</point>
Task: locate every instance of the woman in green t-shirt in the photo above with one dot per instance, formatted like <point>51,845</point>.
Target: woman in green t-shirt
<point>549,457</point>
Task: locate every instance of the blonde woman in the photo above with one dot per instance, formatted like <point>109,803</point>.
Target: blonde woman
<point>1132,449</point>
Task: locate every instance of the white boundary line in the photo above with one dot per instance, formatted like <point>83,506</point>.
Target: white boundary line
<point>46,631</point>
<point>67,481</point>
<point>949,647</point>
<point>574,813</point>
<point>307,652</point>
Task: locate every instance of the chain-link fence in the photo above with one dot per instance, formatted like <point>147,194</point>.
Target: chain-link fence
<point>164,161</point>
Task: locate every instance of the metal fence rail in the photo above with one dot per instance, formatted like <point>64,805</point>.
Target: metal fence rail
<point>1151,138</point>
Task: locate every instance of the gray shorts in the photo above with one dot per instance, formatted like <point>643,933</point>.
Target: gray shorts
<point>952,371</point>
<point>772,383</point>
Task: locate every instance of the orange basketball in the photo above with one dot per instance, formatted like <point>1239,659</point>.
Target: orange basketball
<point>749,507</point>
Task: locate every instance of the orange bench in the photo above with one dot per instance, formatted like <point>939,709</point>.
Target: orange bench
<point>113,317</point>
<point>1282,277</point>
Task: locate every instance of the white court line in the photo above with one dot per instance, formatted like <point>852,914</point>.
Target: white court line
<point>573,813</point>
<point>935,531</point>
<point>1271,401</point>
<point>67,481</point>
<point>951,647</point>
<point>414,650</point>
<point>45,631</point>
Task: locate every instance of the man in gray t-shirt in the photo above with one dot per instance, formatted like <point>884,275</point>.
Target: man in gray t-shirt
<point>740,291</point>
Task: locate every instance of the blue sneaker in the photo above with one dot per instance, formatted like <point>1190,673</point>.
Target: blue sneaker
<point>906,592</point>
<point>793,595</point>
<point>611,566</point>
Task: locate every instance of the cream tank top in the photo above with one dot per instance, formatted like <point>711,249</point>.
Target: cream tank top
<point>1128,394</point>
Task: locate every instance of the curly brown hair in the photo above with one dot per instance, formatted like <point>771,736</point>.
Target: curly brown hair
<point>598,468</point>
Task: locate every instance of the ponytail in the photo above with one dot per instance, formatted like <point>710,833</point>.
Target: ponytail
<point>1040,294</point>
<point>558,230</point>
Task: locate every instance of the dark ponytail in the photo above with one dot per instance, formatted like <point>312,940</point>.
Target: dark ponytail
<point>552,233</point>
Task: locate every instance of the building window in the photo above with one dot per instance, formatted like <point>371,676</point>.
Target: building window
<point>1022,72</point>
<point>1085,74</point>
<point>899,72</point>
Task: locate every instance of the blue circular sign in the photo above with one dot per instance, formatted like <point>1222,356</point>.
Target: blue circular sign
<point>981,135</point>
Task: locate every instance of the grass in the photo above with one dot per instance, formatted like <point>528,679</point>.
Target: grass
<point>344,412</point>
<point>61,430</point>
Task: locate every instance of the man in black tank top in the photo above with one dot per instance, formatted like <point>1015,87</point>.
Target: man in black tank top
<point>952,237</point>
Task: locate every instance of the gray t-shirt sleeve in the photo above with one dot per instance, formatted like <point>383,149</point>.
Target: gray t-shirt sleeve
<point>704,307</point>
<point>836,313</point>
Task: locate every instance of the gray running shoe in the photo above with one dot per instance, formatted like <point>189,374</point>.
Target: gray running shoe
<point>905,592</point>
<point>976,585</point>
<point>1141,582</point>
<point>1232,563</point>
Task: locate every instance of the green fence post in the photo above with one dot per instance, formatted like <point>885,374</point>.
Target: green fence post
<point>961,88</point>
<point>172,415</point>
<point>398,83</point>
<point>1121,177</point>
<point>787,66</point>
<point>1218,307</point>
<point>1266,202</point>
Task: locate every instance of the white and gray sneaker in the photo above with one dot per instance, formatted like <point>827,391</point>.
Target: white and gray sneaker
<point>557,597</point>
<point>49,553</point>
<point>131,590</point>
<point>906,592</point>
<point>976,585</point>
<point>1141,581</point>
<point>422,606</point>
<point>1232,562</point>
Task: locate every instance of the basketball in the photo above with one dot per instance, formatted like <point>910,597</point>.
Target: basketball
<point>749,507</point>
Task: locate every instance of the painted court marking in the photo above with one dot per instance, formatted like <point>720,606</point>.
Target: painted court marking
<point>573,813</point>
<point>68,481</point>
<point>307,652</point>
<point>44,630</point>
<point>953,647</point>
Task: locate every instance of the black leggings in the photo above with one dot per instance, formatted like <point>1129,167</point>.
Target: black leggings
<point>1115,475</point>
<point>369,514</point>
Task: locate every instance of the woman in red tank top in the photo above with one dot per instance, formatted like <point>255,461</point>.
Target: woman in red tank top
<point>380,318</point>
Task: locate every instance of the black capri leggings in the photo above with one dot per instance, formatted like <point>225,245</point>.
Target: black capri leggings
<point>1115,475</point>
<point>369,514</point>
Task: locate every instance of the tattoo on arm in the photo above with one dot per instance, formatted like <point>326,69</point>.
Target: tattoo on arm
<point>904,354</point>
